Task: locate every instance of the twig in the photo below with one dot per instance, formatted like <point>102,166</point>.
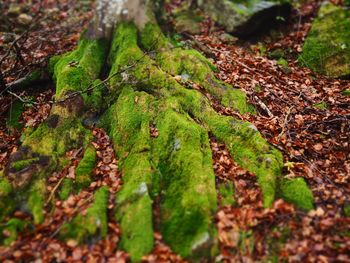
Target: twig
<point>18,97</point>
<point>54,190</point>
<point>285,122</point>
<point>264,107</point>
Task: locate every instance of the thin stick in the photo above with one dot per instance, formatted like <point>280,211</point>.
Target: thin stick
<point>54,190</point>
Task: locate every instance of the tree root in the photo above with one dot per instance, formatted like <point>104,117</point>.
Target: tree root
<point>175,165</point>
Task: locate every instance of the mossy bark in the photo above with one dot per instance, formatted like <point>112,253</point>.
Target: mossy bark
<point>144,92</point>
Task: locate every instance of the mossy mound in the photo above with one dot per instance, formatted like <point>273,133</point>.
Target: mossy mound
<point>43,150</point>
<point>176,164</point>
<point>85,168</point>
<point>296,191</point>
<point>327,46</point>
<point>93,224</point>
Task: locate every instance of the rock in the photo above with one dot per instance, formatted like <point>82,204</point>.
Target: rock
<point>327,47</point>
<point>24,19</point>
<point>246,17</point>
<point>227,38</point>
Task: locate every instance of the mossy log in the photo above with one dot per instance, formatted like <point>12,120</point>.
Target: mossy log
<point>143,92</point>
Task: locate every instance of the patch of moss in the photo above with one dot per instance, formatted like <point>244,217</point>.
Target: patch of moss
<point>12,228</point>
<point>93,224</point>
<point>277,54</point>
<point>346,92</point>
<point>246,145</point>
<point>66,189</point>
<point>19,165</point>
<point>137,226</point>
<point>14,115</point>
<point>181,152</point>
<point>94,100</point>
<point>129,128</point>
<point>76,70</point>
<point>5,186</point>
<point>327,46</point>
<point>85,168</point>
<point>56,141</point>
<point>36,200</point>
<point>346,210</point>
<point>188,197</point>
<point>296,191</point>
<point>322,105</point>
<point>226,191</point>
<point>7,203</point>
<point>200,70</point>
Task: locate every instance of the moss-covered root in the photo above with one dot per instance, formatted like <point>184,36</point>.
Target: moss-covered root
<point>129,121</point>
<point>246,145</point>
<point>85,168</point>
<point>191,64</point>
<point>42,151</point>
<point>93,224</point>
<point>188,184</point>
<point>296,191</point>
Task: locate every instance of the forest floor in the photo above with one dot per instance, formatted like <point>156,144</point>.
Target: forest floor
<point>302,114</point>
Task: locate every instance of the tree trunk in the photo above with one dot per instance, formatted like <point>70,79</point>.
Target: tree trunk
<point>147,88</point>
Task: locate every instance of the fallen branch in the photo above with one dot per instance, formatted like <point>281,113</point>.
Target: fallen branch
<point>264,107</point>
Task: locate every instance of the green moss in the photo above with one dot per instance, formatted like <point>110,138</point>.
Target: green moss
<point>296,191</point>
<point>346,210</point>
<point>7,202</point>
<point>5,186</point>
<point>94,100</point>
<point>200,71</point>
<point>66,189</point>
<point>14,115</point>
<point>36,200</point>
<point>245,143</point>
<point>346,92</point>
<point>85,168</point>
<point>19,165</point>
<point>189,197</point>
<point>76,70</point>
<point>52,63</point>
<point>327,46</point>
<point>152,37</point>
<point>178,162</point>
<point>93,224</point>
<point>136,224</point>
<point>56,141</point>
<point>12,228</point>
<point>322,105</point>
<point>277,54</point>
<point>129,129</point>
<point>226,191</point>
